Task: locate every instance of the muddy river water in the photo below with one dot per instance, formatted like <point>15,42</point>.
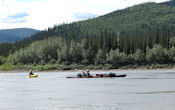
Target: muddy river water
<point>139,90</point>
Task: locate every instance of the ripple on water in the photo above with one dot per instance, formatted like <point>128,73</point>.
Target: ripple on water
<point>150,78</point>
<point>144,92</point>
<point>89,107</point>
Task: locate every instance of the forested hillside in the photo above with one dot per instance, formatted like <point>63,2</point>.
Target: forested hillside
<point>137,20</point>
<point>140,35</point>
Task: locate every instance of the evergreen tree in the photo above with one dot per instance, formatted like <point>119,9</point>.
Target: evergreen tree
<point>86,45</point>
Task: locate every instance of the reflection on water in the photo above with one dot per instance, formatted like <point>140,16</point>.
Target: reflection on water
<point>140,90</point>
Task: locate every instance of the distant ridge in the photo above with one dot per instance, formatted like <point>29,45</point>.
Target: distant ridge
<point>12,35</point>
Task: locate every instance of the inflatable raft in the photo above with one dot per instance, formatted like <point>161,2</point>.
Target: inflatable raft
<point>99,76</point>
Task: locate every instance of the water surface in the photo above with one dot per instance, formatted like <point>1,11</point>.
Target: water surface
<point>140,90</point>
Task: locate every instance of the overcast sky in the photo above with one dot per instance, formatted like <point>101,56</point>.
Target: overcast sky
<point>41,14</point>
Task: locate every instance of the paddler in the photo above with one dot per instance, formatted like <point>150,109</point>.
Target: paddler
<point>30,72</point>
<point>84,74</point>
<point>88,74</point>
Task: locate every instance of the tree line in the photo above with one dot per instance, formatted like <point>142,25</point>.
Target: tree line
<point>108,48</point>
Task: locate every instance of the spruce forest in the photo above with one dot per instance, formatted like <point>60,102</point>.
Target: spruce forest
<point>142,35</point>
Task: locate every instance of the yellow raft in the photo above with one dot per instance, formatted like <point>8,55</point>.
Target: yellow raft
<point>32,76</point>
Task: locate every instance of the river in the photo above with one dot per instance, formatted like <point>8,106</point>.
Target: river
<point>139,90</point>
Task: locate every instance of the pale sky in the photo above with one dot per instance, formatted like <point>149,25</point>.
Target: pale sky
<point>41,14</point>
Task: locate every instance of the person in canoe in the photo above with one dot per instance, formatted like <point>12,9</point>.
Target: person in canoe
<point>30,72</point>
<point>88,74</point>
<point>84,74</point>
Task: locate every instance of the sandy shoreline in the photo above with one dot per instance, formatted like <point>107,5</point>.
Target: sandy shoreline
<point>26,71</point>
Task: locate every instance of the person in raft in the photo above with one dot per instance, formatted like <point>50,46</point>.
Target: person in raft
<point>30,72</point>
<point>84,74</point>
<point>88,74</point>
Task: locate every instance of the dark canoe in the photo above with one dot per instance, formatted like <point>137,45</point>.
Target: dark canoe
<point>119,75</point>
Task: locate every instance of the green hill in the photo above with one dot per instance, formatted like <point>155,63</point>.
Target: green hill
<point>136,20</point>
